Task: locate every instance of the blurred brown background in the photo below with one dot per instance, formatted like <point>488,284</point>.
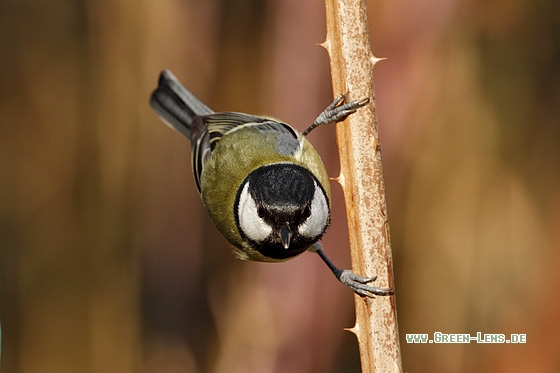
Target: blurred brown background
<point>110,264</point>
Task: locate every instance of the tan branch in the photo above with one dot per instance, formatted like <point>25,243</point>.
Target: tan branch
<point>361,177</point>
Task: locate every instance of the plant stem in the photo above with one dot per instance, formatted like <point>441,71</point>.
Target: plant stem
<point>361,178</point>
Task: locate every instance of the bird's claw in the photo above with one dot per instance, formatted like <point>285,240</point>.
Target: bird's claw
<point>358,284</point>
<point>337,111</point>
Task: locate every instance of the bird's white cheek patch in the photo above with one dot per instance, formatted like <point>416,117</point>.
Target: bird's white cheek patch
<point>316,223</point>
<point>250,223</point>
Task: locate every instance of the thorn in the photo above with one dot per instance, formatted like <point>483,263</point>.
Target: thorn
<point>339,179</point>
<point>375,60</point>
<point>355,329</point>
<point>326,45</point>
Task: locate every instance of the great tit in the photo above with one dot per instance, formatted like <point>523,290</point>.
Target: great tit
<point>263,184</point>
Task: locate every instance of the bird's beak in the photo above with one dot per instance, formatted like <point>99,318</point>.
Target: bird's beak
<point>286,236</point>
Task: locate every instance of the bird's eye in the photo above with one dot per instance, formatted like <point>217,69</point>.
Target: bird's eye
<point>260,212</point>
<point>306,212</point>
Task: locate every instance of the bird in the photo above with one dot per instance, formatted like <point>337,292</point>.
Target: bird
<point>263,184</point>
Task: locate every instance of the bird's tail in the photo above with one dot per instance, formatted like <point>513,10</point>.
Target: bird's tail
<point>175,104</point>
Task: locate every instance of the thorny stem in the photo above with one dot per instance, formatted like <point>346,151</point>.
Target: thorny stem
<point>361,178</point>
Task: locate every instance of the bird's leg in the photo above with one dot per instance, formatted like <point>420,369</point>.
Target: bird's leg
<point>355,282</point>
<point>337,111</point>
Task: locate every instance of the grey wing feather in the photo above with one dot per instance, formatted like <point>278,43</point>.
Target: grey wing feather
<point>207,131</point>
<point>220,124</point>
<point>175,104</point>
<point>217,125</point>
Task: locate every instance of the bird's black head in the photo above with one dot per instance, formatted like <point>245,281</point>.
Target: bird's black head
<point>281,209</point>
